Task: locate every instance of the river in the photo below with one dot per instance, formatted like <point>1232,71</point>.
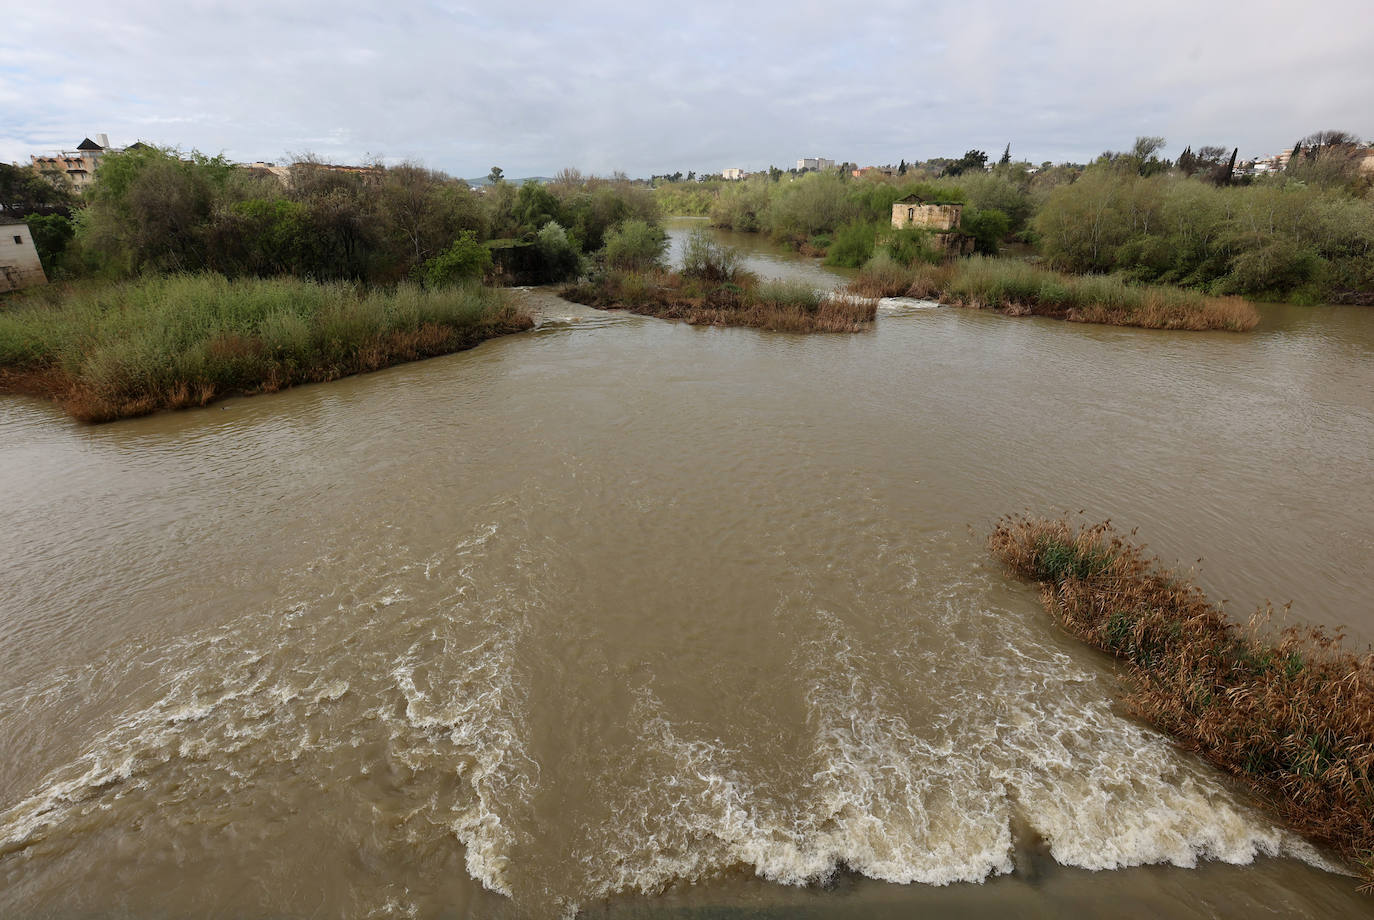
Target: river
<point>648,620</point>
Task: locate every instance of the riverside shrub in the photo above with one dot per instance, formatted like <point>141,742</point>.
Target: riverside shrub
<point>635,245</point>
<point>466,260</point>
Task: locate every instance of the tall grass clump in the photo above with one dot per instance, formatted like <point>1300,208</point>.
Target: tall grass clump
<point>1290,713</point>
<point>884,276</point>
<point>708,260</point>
<point>1019,288</point>
<point>111,351</point>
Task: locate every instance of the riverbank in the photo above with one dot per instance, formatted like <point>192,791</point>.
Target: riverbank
<point>1292,715</point>
<point>1018,288</point>
<point>740,300</point>
<point>113,351</point>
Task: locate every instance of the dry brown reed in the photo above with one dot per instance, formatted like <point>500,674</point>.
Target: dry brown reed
<point>1289,712</point>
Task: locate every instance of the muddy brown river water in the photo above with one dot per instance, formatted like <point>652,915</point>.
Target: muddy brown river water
<point>645,620</point>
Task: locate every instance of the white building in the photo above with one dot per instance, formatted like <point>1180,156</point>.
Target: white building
<point>815,163</point>
<point>19,265</point>
<point>732,174</point>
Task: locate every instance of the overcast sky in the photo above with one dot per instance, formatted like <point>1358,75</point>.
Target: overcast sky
<point>652,88</point>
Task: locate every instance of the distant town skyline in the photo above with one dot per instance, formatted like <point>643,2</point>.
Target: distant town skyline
<point>535,87</point>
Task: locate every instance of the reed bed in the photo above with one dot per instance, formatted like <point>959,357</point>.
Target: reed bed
<point>112,351</point>
<point>1019,289</point>
<point>779,306</point>
<point>1289,712</point>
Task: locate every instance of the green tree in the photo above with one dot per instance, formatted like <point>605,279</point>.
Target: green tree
<point>24,192</point>
<point>262,237</point>
<point>558,254</point>
<point>535,206</point>
<point>494,177</point>
<point>853,245</point>
<point>149,208</point>
<point>421,211</point>
<point>635,245</point>
<point>51,235</point>
<point>987,227</point>
<point>972,160</point>
<point>1187,163</point>
<point>465,260</point>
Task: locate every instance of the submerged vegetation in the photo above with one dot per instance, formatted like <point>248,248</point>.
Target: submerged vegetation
<point>1292,714</point>
<point>1019,288</point>
<point>107,351</point>
<point>714,289</point>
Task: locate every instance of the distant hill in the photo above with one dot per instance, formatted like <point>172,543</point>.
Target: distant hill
<point>484,181</point>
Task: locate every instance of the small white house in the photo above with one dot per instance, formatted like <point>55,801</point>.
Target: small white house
<point>733,175</point>
<point>19,265</point>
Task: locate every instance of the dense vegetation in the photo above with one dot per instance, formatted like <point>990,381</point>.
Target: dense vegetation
<point>1305,234</point>
<point>1291,714</point>
<point>1275,239</point>
<point>110,350</point>
<point>713,289</point>
<point>185,277</point>
<point>1019,288</point>
<point>154,210</point>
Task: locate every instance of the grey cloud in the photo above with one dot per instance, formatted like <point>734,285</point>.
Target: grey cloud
<point>649,87</point>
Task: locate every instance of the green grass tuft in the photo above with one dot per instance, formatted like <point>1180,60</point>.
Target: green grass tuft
<point>107,351</point>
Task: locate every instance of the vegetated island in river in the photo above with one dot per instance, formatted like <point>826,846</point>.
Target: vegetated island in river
<point>712,289</point>
<point>1018,288</point>
<point>1292,714</point>
<point>109,351</point>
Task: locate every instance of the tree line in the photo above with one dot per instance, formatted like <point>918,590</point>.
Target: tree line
<point>1305,233</point>
<point>153,210</point>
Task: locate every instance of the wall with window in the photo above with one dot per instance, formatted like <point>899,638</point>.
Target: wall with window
<point>19,265</point>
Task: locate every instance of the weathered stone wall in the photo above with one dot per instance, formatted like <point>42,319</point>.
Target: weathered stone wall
<point>933,216</point>
<point>19,265</point>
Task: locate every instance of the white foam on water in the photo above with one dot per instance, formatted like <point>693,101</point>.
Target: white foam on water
<point>932,806</point>
<point>899,306</point>
<point>477,714</point>
<point>896,791</point>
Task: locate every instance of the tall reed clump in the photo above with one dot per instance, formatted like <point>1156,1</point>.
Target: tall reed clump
<point>884,276</point>
<point>107,352</point>
<point>1019,289</point>
<point>1292,714</point>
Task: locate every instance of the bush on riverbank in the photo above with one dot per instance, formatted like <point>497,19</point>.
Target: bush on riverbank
<point>1292,714</point>
<point>117,350</point>
<point>1019,288</point>
<point>636,245</point>
<point>1277,239</point>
